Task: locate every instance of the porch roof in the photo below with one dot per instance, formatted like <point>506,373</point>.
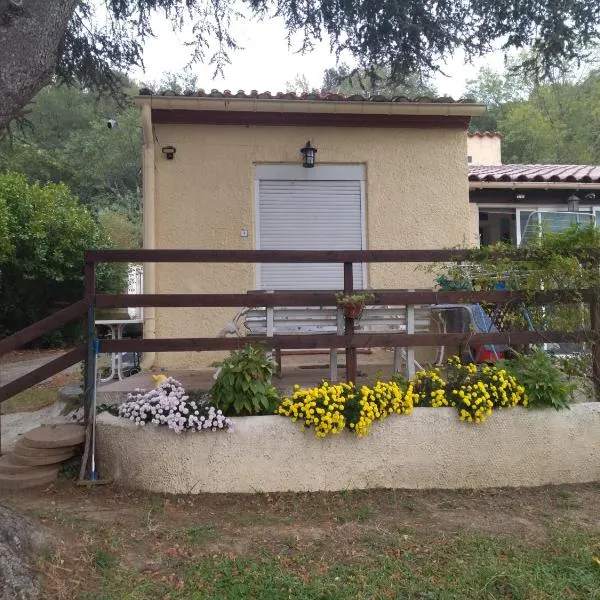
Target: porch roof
<point>513,175</point>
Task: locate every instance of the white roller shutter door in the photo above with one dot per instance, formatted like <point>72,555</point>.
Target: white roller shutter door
<point>308,215</point>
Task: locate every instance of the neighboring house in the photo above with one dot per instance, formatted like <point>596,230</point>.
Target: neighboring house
<point>484,148</point>
<point>225,171</point>
<point>514,200</point>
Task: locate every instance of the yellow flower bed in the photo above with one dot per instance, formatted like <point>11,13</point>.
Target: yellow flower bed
<point>473,390</point>
<point>329,409</point>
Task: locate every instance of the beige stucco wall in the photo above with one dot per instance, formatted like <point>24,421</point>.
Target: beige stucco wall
<point>474,222</point>
<point>430,448</point>
<point>485,149</point>
<point>416,197</point>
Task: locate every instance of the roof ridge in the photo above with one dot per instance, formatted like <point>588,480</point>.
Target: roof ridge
<point>490,134</point>
<point>304,96</point>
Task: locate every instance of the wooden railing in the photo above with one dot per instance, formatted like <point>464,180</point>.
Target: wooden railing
<point>76,311</point>
<point>350,340</point>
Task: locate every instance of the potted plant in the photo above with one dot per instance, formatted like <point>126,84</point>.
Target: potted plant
<point>353,304</point>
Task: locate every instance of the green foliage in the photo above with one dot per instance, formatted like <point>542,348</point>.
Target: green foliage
<point>120,231</point>
<point>350,299</point>
<point>529,136</point>
<point>566,261</point>
<point>103,559</point>
<point>559,261</point>
<point>408,37</point>
<point>5,244</point>
<point>374,81</point>
<point>66,140</point>
<point>551,121</point>
<point>577,367</point>
<point>545,384</point>
<point>47,231</point>
<point>456,284</point>
<point>243,386</point>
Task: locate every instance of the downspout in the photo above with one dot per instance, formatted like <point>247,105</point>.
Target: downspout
<point>149,229</point>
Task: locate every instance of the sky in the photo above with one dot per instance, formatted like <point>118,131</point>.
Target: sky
<point>267,63</point>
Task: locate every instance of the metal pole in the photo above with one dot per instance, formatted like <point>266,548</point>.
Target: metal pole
<point>89,295</point>
<point>595,326</point>
<point>351,363</point>
<point>90,363</point>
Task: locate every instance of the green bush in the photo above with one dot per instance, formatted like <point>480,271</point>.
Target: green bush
<point>545,384</point>
<point>243,386</point>
<point>44,231</point>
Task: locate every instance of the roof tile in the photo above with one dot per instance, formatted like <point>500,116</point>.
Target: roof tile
<point>490,134</point>
<point>535,173</point>
<point>325,96</point>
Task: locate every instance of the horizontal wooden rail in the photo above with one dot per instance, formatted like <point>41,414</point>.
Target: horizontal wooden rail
<point>357,340</point>
<point>41,373</point>
<point>275,256</point>
<point>302,298</point>
<point>300,256</point>
<point>59,318</point>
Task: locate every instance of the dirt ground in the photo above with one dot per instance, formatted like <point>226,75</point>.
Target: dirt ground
<point>156,537</point>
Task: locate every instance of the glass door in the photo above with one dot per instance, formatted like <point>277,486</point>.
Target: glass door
<point>532,223</point>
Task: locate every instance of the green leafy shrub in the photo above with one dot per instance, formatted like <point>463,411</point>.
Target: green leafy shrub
<point>545,384</point>
<point>243,385</point>
<point>44,231</point>
<point>578,369</point>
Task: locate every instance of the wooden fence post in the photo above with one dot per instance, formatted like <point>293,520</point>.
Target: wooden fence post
<point>351,362</point>
<point>595,326</point>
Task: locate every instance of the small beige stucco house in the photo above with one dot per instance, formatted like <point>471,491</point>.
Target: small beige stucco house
<point>225,171</point>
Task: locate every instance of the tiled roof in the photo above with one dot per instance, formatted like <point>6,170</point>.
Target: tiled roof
<point>480,134</point>
<point>536,173</point>
<point>321,97</point>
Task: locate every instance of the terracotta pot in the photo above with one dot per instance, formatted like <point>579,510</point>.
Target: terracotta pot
<point>353,311</point>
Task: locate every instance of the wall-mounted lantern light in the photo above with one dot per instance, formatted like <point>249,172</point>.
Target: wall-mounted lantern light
<point>573,203</point>
<point>169,152</point>
<point>308,156</point>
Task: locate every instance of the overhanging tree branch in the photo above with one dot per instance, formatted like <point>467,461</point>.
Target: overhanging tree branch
<point>42,38</point>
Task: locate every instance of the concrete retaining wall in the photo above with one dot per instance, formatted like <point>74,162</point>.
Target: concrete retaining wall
<point>430,448</point>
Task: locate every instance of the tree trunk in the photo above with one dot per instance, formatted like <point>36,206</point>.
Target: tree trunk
<point>20,540</point>
<point>30,35</point>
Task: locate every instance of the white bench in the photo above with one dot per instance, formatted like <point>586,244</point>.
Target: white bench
<point>272,321</point>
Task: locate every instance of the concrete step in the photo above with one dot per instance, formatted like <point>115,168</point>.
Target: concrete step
<point>21,449</point>
<point>28,479</point>
<point>54,436</point>
<point>36,461</point>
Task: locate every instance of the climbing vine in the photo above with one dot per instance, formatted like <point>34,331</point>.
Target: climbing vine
<point>566,262</point>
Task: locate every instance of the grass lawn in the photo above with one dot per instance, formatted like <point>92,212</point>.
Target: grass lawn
<point>39,396</point>
<point>498,544</point>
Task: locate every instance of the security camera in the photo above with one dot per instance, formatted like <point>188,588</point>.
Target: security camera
<point>112,124</point>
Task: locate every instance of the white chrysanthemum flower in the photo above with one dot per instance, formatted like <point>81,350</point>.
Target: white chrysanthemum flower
<point>169,406</point>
